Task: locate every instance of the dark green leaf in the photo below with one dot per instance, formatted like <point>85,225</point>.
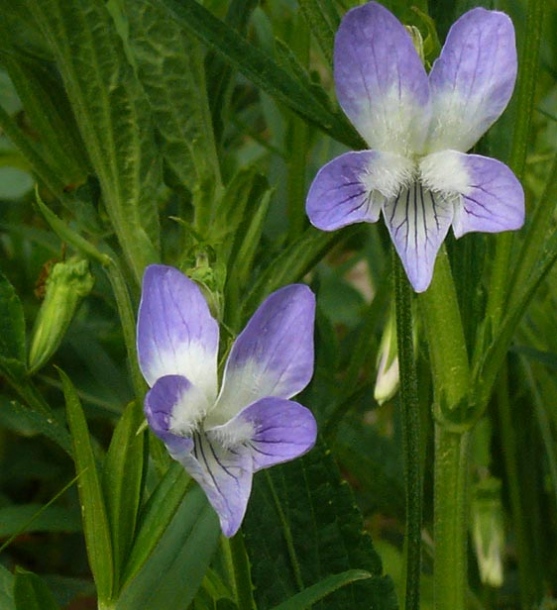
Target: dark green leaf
<point>173,573</point>
<point>122,481</point>
<point>12,331</point>
<point>156,515</point>
<point>317,592</point>
<point>93,509</point>
<point>375,462</point>
<point>14,519</point>
<point>324,21</point>
<point>31,593</point>
<point>47,108</point>
<point>262,70</point>
<point>294,262</point>
<point>301,527</point>
<point>6,589</point>
<point>38,421</point>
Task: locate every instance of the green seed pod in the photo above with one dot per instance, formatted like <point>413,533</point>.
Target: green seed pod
<point>66,285</point>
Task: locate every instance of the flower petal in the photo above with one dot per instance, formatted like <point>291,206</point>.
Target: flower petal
<point>418,221</point>
<point>272,356</point>
<point>281,431</point>
<point>493,201</point>
<point>352,188</point>
<point>225,476</point>
<point>173,406</point>
<point>380,81</point>
<point>176,334</point>
<point>472,80</point>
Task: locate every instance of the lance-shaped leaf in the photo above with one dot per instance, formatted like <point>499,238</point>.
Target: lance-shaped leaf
<point>93,507</point>
<point>122,481</point>
<point>175,569</point>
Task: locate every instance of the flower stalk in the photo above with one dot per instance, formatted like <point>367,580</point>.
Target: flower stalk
<point>449,362</point>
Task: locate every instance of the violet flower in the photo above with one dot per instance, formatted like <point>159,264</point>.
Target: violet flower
<point>222,438</point>
<point>418,128</point>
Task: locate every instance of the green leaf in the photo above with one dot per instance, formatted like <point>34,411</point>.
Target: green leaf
<point>317,592</point>
<point>31,593</point>
<point>263,72</point>
<point>375,462</point>
<point>12,332</point>
<point>294,262</point>
<point>46,106</point>
<point>171,69</point>
<point>113,116</point>
<point>122,482</point>
<point>94,513</point>
<point>323,21</point>
<point>175,569</point>
<point>40,420</point>
<point>32,518</point>
<point>302,527</point>
<point>156,516</point>
<point>6,589</point>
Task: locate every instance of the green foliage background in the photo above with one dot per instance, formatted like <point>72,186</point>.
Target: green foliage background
<point>141,131</point>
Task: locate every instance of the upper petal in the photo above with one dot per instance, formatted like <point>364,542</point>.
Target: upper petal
<point>381,83</point>
<point>418,221</point>
<point>472,80</point>
<point>176,334</point>
<point>352,187</point>
<point>272,356</point>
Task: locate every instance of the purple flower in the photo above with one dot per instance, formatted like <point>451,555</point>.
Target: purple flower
<point>222,438</point>
<point>418,128</point>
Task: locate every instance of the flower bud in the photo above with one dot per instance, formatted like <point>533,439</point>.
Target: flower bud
<point>67,284</point>
<point>418,41</point>
<point>488,533</point>
<point>387,381</point>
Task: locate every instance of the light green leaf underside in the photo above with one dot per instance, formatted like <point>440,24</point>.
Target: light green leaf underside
<point>113,116</point>
<point>171,69</point>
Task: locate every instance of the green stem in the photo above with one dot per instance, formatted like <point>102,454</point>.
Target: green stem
<point>526,87</point>
<point>451,378</point>
<point>411,431</point>
<point>242,575</point>
<point>445,336</point>
<point>451,496</point>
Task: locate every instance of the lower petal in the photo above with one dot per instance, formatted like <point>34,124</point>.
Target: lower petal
<point>493,200</point>
<point>418,221</point>
<point>224,474</point>
<point>280,430</point>
<point>352,187</point>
